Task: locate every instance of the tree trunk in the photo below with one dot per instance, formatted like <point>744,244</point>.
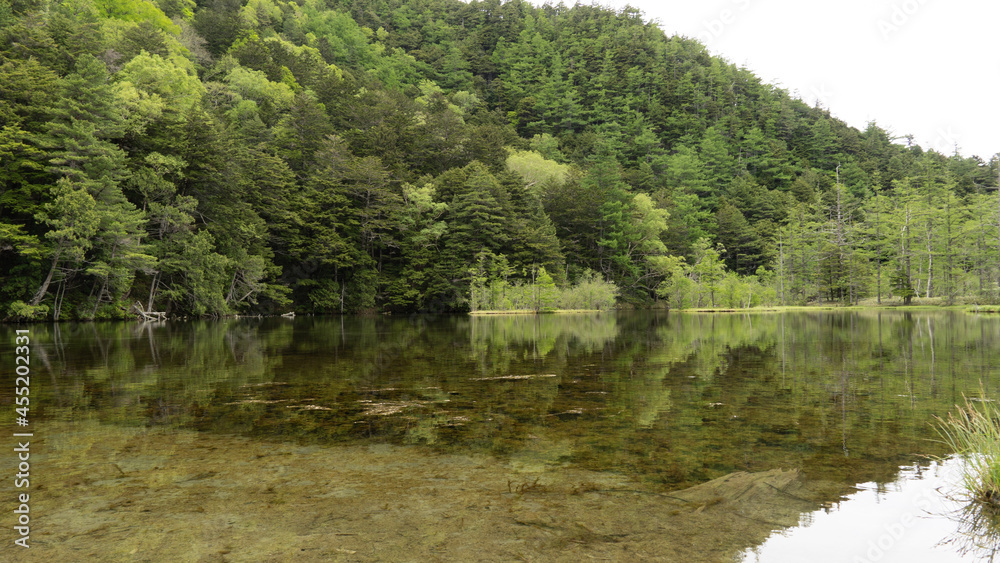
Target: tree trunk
<point>58,301</point>
<point>930,262</point>
<point>100,298</point>
<point>878,251</point>
<point>152,291</point>
<point>906,253</point>
<point>40,294</point>
<point>781,269</point>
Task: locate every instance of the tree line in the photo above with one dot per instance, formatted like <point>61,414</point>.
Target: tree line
<point>217,157</point>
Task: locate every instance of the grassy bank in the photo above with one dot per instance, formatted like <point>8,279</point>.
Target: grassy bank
<point>973,432</point>
<point>534,312</point>
<point>770,309</point>
<point>967,304</point>
<point>806,308</point>
<point>983,309</point>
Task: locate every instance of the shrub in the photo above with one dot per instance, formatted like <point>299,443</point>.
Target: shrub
<point>21,311</point>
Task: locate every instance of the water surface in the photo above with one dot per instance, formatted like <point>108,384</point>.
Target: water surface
<point>532,437</point>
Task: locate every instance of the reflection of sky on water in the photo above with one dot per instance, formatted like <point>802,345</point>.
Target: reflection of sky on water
<point>910,520</point>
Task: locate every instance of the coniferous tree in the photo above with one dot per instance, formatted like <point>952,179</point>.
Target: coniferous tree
<point>358,155</point>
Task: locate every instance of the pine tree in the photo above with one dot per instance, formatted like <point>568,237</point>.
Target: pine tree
<point>744,249</point>
<point>74,220</point>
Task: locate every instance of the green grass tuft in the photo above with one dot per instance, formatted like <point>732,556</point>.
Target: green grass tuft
<point>973,432</point>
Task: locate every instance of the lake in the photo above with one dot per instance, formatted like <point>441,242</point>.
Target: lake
<point>615,436</point>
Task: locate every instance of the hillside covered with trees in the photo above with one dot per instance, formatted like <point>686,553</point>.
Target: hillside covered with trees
<point>228,156</point>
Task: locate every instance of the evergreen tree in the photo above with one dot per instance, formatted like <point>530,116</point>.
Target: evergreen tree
<point>744,249</point>
<point>218,157</point>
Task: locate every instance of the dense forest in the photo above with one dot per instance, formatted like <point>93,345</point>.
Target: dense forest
<point>244,157</point>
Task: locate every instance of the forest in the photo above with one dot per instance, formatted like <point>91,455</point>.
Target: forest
<point>244,157</point>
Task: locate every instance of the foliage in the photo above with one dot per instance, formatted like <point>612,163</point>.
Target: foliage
<point>495,286</point>
<point>207,158</point>
<point>536,170</point>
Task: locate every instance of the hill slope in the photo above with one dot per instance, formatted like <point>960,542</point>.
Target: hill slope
<point>220,157</point>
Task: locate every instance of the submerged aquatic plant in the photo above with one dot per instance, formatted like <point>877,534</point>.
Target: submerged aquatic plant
<point>973,432</point>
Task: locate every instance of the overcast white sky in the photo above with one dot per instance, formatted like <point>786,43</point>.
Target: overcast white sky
<point>930,68</point>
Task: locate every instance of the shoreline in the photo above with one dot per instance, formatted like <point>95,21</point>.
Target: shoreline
<point>534,312</point>
<point>827,308</point>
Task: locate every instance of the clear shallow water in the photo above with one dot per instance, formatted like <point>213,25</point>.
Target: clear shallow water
<point>571,409</point>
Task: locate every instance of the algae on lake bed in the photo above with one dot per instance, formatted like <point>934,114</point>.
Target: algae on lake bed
<point>115,494</point>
